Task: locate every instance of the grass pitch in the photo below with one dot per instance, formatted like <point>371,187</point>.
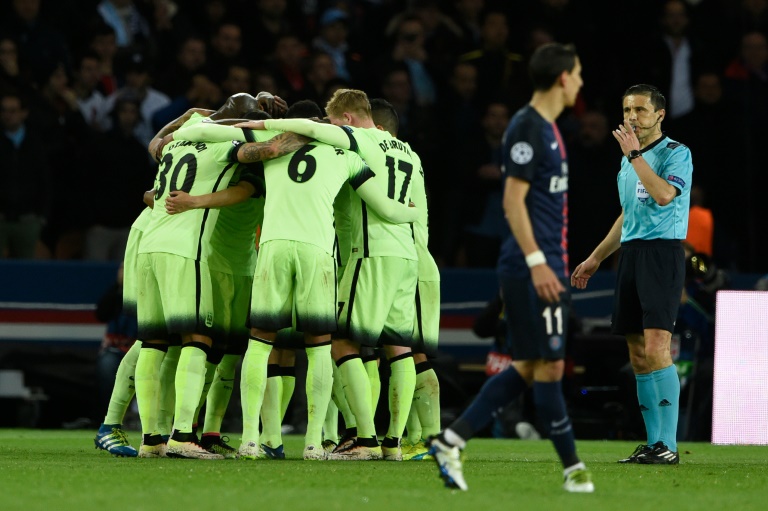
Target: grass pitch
<point>60,470</point>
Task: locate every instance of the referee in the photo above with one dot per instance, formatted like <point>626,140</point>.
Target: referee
<point>654,189</point>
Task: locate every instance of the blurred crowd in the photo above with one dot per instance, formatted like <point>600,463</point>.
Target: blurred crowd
<point>84,84</point>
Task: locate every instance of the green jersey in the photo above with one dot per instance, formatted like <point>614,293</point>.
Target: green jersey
<point>233,242</point>
<point>393,165</point>
<point>428,270</point>
<point>142,220</point>
<point>307,194</point>
<point>196,168</point>
<point>342,223</point>
<point>302,187</point>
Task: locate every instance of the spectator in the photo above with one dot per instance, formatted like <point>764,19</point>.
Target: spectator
<point>592,165</point>
<point>320,72</point>
<point>175,79</point>
<point>484,226</point>
<point>186,83</point>
<point>288,67</point>
<point>93,105</point>
<point>103,43</point>
<point>39,44</point>
<point>226,50</point>
<point>270,21</point>
<point>333,39</point>
<point>57,112</point>
<point>113,211</point>
<point>131,28</point>
<point>138,85</point>
<point>11,75</point>
<point>24,180</point>
<point>237,79</point>
<point>500,72</point>
<point>746,91</point>
<point>672,61</point>
<point>408,50</point>
<point>468,16</point>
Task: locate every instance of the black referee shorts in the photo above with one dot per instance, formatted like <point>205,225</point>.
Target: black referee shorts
<point>649,286</point>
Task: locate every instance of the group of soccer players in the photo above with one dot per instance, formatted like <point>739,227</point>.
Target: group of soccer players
<point>343,271</point>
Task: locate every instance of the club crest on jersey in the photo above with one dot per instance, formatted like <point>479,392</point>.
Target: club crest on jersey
<point>555,342</point>
<point>209,320</point>
<point>521,153</point>
<point>641,193</point>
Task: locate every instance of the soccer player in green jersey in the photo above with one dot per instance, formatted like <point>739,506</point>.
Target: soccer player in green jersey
<point>295,271</point>
<point>424,416</point>
<point>232,262</point>
<point>376,309</point>
<point>175,289</point>
<point>111,437</point>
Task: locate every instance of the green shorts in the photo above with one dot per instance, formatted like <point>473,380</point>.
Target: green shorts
<point>376,301</point>
<point>130,272</point>
<point>175,296</point>
<point>231,297</point>
<point>426,328</point>
<point>294,276</point>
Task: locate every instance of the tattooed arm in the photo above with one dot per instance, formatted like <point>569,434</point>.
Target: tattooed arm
<point>277,146</point>
<point>158,142</point>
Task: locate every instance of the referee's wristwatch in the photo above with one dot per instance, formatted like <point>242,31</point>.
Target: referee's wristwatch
<point>634,153</point>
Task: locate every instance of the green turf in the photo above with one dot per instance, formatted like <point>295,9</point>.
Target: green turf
<point>60,470</point>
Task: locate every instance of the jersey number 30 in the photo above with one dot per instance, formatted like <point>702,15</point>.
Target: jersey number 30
<point>189,161</point>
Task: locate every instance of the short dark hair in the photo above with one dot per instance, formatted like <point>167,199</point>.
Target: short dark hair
<point>304,109</point>
<point>383,113</point>
<point>548,62</point>
<point>657,98</point>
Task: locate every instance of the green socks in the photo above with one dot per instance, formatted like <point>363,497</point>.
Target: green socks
<point>340,399</point>
<point>426,403</point>
<point>190,379</point>
<point>210,374</point>
<point>288,376</point>
<point>271,408</point>
<point>402,382</point>
<point>124,387</point>
<point>220,393</point>
<point>253,382</point>
<point>318,387</point>
<point>168,390</point>
<point>357,388</point>
<point>372,368</point>
<point>148,387</point>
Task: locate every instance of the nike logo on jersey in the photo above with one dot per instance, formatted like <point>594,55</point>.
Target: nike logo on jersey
<point>553,145</point>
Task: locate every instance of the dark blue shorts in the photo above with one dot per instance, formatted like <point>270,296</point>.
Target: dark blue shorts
<point>535,329</point>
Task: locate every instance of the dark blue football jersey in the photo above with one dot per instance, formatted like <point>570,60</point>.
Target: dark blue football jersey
<point>534,151</point>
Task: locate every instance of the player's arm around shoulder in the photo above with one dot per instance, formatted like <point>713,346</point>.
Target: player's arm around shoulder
<point>179,201</point>
<point>275,147</point>
<point>375,196</point>
<point>328,133</point>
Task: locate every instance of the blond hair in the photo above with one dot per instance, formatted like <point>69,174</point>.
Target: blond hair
<point>348,100</point>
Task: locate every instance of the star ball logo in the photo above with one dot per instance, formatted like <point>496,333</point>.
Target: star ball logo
<point>521,153</point>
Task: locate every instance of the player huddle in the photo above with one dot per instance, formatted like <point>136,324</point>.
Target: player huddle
<point>342,271</point>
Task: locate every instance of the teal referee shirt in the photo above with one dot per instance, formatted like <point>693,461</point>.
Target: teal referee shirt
<point>644,218</point>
